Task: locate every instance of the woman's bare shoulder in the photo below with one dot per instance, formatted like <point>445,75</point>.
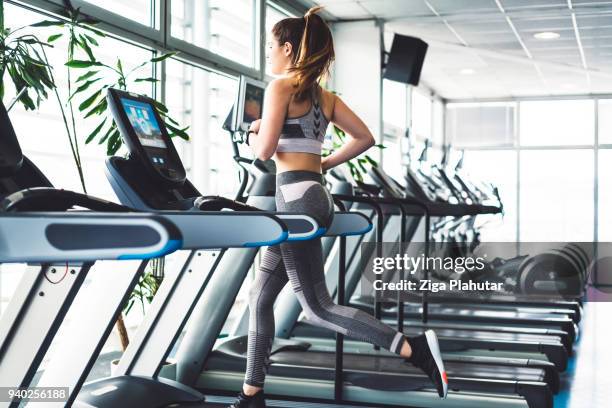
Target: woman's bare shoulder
<point>281,85</point>
<point>329,101</point>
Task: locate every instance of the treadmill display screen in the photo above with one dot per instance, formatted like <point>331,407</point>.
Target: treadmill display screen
<point>142,119</point>
<point>253,103</point>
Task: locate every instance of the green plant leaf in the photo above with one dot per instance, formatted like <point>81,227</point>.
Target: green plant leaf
<point>94,30</point>
<point>119,65</point>
<point>107,134</point>
<point>95,132</point>
<point>87,75</point>
<point>380,146</point>
<point>174,131</point>
<point>91,40</point>
<point>163,57</point>
<point>98,109</point>
<point>370,160</point>
<point>48,23</point>
<point>85,47</point>
<point>150,79</point>
<point>54,37</point>
<point>83,64</point>
<point>89,101</point>
<point>84,87</point>
<point>361,166</point>
<point>113,144</point>
<point>169,119</point>
<point>160,106</point>
<point>27,101</point>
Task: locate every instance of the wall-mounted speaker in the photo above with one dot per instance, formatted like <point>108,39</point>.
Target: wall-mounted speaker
<point>405,60</point>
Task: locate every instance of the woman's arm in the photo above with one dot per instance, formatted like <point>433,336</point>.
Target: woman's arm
<point>359,136</point>
<point>268,130</point>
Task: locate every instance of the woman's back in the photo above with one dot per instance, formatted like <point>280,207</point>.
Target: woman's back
<point>304,129</point>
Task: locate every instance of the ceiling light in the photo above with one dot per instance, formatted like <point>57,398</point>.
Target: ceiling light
<point>467,71</point>
<point>546,35</point>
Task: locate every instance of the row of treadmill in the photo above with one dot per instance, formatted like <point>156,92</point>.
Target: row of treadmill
<point>506,349</point>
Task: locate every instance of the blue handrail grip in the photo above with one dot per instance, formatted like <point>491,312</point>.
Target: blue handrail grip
<point>364,231</point>
<point>283,237</point>
<point>318,233</point>
<point>171,246</point>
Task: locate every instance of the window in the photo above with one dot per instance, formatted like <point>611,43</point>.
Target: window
<point>201,100</point>
<point>482,124</point>
<point>273,16</point>
<point>223,27</point>
<point>140,11</point>
<point>395,110</point>
<point>421,116</point>
<point>438,123</point>
<point>604,116</point>
<point>557,123</point>
<point>497,167</point>
<point>556,200</point>
<point>605,196</point>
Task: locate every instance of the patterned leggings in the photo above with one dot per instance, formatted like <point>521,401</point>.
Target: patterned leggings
<point>302,263</point>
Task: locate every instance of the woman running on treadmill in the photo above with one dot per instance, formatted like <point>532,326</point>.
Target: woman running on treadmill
<point>295,118</point>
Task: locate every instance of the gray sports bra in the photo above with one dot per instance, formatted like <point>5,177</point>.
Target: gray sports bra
<point>305,134</point>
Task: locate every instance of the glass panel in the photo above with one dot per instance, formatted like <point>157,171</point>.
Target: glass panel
<point>201,100</point>
<point>469,125</point>
<point>50,150</point>
<point>499,168</point>
<point>604,116</point>
<point>140,11</point>
<point>557,123</point>
<point>395,110</point>
<point>438,123</point>
<point>605,196</point>
<point>273,16</point>
<point>421,116</point>
<point>223,27</point>
<point>556,195</point>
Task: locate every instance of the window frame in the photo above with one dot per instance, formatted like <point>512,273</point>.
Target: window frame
<point>159,39</point>
<point>596,147</point>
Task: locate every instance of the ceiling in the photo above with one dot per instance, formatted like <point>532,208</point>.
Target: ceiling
<point>480,49</point>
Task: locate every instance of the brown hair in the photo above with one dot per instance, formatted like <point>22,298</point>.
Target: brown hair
<point>313,48</point>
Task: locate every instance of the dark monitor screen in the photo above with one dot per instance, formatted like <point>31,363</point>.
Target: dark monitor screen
<point>144,123</point>
<point>144,132</point>
<point>253,103</point>
<point>249,103</point>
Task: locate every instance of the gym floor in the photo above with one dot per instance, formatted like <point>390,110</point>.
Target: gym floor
<point>587,382</point>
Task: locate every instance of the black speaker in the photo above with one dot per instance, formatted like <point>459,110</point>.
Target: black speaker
<point>405,60</point>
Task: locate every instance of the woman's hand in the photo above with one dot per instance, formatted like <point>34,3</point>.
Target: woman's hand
<point>323,163</point>
<point>255,126</point>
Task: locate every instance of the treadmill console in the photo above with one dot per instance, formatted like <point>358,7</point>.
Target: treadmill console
<point>146,136</point>
<point>249,103</point>
<point>11,156</point>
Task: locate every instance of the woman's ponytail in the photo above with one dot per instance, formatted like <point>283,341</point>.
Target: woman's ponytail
<point>313,47</point>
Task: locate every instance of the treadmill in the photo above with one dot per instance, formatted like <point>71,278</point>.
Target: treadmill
<point>60,248</point>
<point>507,318</point>
<point>363,379</point>
<point>146,182</point>
<point>222,369</point>
<point>43,298</point>
<point>528,345</point>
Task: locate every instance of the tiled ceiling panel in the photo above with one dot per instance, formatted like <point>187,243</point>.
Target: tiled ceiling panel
<point>478,49</point>
<point>396,8</point>
<point>461,7</point>
<point>532,4</point>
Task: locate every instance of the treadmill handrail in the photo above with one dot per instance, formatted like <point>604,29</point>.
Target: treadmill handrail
<point>227,229</point>
<point>50,199</point>
<point>41,237</point>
